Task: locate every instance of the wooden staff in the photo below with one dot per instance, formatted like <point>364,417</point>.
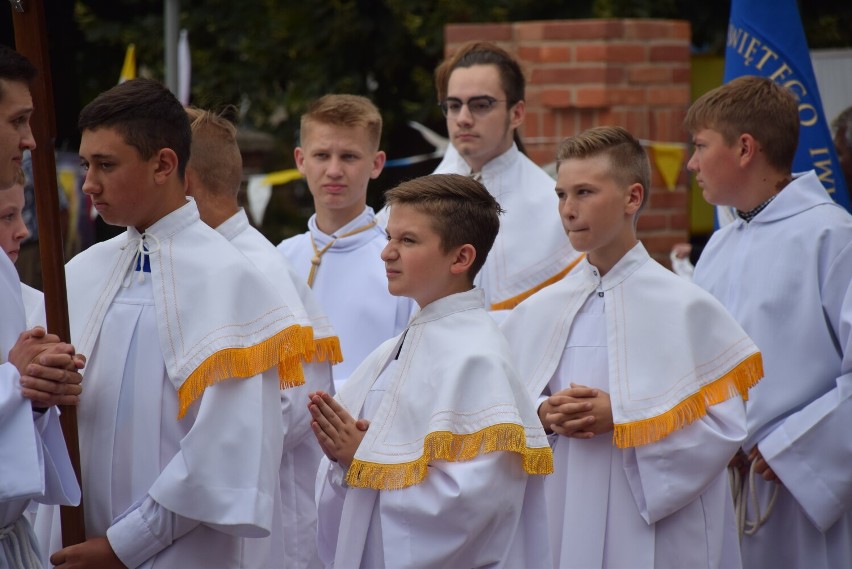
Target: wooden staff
<point>31,41</point>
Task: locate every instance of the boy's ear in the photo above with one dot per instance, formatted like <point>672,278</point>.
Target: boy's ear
<point>299,157</point>
<point>378,164</point>
<point>633,198</point>
<point>516,114</point>
<point>464,257</point>
<point>747,148</point>
<point>166,164</point>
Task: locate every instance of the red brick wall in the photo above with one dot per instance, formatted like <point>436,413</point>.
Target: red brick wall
<point>584,73</point>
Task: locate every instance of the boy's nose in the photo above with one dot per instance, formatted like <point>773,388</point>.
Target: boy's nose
<point>692,165</point>
<point>387,253</point>
<point>89,186</point>
<point>28,141</point>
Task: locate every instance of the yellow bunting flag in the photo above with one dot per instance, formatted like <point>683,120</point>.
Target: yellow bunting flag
<point>668,158</point>
<point>128,70</point>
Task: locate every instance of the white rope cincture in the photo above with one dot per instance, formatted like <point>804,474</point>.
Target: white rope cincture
<point>143,250</point>
<point>741,496</point>
<point>17,540</point>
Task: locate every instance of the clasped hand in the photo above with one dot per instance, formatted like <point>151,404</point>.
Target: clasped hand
<point>49,368</point>
<point>578,412</point>
<point>337,432</point>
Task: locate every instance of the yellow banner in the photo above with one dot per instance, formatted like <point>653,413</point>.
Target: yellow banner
<point>668,158</point>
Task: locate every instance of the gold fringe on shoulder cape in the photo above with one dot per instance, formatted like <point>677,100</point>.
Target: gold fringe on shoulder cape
<point>516,300</point>
<point>327,349</point>
<point>284,350</point>
<point>451,447</point>
<point>738,381</point>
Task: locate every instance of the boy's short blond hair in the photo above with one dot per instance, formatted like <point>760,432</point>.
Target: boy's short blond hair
<point>628,160</point>
<point>215,155</point>
<point>751,105</point>
<point>461,209</point>
<point>352,111</point>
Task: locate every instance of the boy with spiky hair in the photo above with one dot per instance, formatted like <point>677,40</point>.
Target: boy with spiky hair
<point>640,377</point>
<point>783,268</point>
<point>450,422</point>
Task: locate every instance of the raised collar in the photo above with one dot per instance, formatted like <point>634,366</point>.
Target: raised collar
<point>493,167</point>
<point>234,225</point>
<point>343,243</point>
<point>452,304</point>
<point>170,224</point>
<point>626,266</point>
<point>803,193</point>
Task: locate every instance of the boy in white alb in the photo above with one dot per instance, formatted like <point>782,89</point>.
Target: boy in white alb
<point>213,178</point>
<point>445,475</point>
<point>642,377</point>
<point>181,437</point>
<point>37,372</point>
<point>783,269</point>
<point>338,155</point>
<point>481,90</point>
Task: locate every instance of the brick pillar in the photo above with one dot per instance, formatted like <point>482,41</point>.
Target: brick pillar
<point>584,73</point>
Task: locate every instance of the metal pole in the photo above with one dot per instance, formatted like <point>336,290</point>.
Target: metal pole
<point>171,17</point>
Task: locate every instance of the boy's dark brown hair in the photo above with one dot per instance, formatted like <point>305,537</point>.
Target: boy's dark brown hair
<point>345,110</point>
<point>14,67</point>
<point>628,160</point>
<point>751,105</point>
<point>146,115</point>
<point>461,209</point>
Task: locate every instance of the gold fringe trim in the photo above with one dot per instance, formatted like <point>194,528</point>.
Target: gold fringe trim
<point>283,350</point>
<point>308,341</point>
<point>328,349</point>
<point>738,381</point>
<point>516,300</point>
<point>444,445</point>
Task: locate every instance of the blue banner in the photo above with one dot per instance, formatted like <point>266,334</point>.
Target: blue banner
<point>766,38</point>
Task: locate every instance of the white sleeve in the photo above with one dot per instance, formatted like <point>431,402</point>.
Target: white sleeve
<point>226,472</point>
<point>21,453</point>
<point>667,475</point>
<point>146,530</point>
<point>810,451</point>
<point>330,495</point>
<point>60,482</point>
<point>453,517</point>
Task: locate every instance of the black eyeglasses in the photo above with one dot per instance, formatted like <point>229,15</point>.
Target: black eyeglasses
<point>478,106</point>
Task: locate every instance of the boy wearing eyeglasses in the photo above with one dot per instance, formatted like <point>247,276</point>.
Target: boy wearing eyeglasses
<point>481,92</point>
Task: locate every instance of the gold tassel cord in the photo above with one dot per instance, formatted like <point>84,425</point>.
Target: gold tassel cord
<point>516,300</point>
<point>738,381</point>
<point>451,447</point>
<point>284,351</point>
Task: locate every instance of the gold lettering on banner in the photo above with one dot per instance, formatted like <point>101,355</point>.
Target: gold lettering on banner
<point>823,168</point>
